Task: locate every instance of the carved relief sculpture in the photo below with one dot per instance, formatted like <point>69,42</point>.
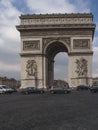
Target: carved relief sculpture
<point>55,19</point>
<point>81,43</point>
<point>81,67</point>
<point>31,68</point>
<point>31,45</point>
<point>64,39</point>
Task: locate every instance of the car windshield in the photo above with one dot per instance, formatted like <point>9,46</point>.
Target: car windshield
<point>95,85</point>
<point>59,87</point>
<point>55,86</point>
<point>5,86</point>
<point>30,88</point>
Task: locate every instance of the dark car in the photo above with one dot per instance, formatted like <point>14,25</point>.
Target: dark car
<point>59,89</point>
<point>82,87</point>
<point>94,88</point>
<point>29,90</point>
<point>13,89</point>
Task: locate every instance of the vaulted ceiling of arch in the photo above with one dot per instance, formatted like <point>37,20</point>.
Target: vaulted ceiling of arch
<point>55,48</point>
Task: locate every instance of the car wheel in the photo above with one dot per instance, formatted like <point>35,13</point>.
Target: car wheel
<point>65,92</point>
<point>52,92</point>
<point>26,93</point>
<point>92,91</point>
<point>10,92</point>
<point>41,92</point>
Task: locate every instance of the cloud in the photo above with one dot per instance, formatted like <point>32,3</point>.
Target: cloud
<point>9,39</point>
<point>58,6</point>
<point>95,41</point>
<point>97,27</point>
<point>95,57</point>
<point>95,62</point>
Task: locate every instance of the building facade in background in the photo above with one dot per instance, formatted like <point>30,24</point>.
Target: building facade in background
<point>60,83</point>
<point>10,82</point>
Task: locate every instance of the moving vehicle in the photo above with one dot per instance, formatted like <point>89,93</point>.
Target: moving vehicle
<point>82,87</point>
<point>59,89</point>
<point>29,90</point>
<point>14,89</point>
<point>94,88</point>
<point>2,90</point>
<point>5,89</point>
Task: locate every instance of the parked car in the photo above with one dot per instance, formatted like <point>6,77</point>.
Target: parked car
<point>14,89</point>
<point>82,87</point>
<point>29,90</point>
<point>2,90</point>
<point>5,89</point>
<point>59,89</point>
<point>94,88</point>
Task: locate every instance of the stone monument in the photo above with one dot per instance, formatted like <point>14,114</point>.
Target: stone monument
<point>45,35</point>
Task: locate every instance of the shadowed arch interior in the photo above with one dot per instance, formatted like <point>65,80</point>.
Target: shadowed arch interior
<point>52,50</point>
<point>55,48</point>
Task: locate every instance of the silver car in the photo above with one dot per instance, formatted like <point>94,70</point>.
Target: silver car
<point>2,90</point>
<point>59,89</point>
<point>5,89</point>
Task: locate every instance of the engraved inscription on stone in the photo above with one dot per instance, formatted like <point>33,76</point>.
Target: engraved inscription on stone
<point>31,45</point>
<point>81,43</point>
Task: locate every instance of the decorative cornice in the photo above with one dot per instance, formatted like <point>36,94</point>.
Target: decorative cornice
<point>82,78</point>
<point>51,22</point>
<point>80,53</point>
<point>55,20</point>
<point>31,54</point>
<point>56,32</point>
<point>54,15</point>
<point>66,26</point>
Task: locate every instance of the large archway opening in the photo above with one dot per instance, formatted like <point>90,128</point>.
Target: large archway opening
<point>61,66</point>
<point>53,51</point>
<point>61,69</point>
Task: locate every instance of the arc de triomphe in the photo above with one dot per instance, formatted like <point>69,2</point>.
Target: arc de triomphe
<point>45,35</point>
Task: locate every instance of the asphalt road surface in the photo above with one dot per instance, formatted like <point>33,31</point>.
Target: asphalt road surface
<point>74,111</point>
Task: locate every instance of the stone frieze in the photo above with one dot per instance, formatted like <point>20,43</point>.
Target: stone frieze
<point>56,32</point>
<point>81,44</point>
<point>31,45</point>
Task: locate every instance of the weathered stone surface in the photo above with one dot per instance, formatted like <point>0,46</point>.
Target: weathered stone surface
<point>45,35</point>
